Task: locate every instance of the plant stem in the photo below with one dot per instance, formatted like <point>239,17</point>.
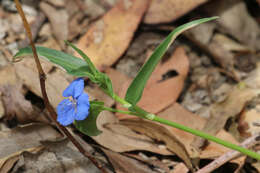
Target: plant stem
<point>120,111</point>
<point>143,114</point>
<point>209,137</point>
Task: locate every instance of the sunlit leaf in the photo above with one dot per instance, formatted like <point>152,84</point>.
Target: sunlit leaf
<point>136,88</point>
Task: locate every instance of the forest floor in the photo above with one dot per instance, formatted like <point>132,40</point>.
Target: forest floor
<point>209,80</point>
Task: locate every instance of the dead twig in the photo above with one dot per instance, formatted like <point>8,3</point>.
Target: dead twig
<point>229,155</point>
<point>42,78</point>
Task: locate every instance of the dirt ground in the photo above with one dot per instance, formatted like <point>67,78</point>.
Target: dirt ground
<point>208,80</point>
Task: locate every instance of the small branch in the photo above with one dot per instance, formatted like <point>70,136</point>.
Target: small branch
<point>42,78</point>
<point>229,155</point>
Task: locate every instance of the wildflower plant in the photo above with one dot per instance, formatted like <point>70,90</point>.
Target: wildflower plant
<point>77,108</point>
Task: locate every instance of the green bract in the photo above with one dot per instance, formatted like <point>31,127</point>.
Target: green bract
<point>88,126</point>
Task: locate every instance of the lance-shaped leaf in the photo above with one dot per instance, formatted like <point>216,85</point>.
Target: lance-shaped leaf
<point>89,126</point>
<point>68,62</point>
<point>135,90</point>
<point>86,58</point>
<point>100,78</point>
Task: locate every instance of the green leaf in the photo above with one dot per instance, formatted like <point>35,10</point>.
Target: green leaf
<point>89,126</point>
<point>105,83</point>
<point>86,58</point>
<point>135,90</point>
<point>68,62</point>
<point>82,72</point>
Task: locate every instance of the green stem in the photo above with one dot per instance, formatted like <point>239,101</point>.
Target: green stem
<point>209,137</point>
<point>144,114</point>
<point>120,111</point>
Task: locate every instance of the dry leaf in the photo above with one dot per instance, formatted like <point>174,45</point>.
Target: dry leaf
<point>118,79</point>
<point>169,10</point>
<point>9,163</point>
<point>59,21</point>
<point>27,72</point>
<point>14,142</point>
<point>120,138</point>
<point>220,112</point>
<point>214,150</point>
<point>235,19</point>
<point>110,36</point>
<point>229,44</point>
<point>160,133</point>
<point>59,157</point>
<point>152,161</point>
<point>95,93</point>
<point>8,75</point>
<point>57,3</point>
<point>123,164</point>
<point>178,114</point>
<point>18,108</point>
<point>249,120</point>
<point>253,79</point>
<point>180,168</point>
<point>222,56</point>
<point>13,101</point>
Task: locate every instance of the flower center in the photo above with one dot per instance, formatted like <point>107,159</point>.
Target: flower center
<point>73,101</point>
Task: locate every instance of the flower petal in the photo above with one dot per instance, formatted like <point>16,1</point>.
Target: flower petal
<point>75,89</point>
<point>82,107</point>
<point>66,112</point>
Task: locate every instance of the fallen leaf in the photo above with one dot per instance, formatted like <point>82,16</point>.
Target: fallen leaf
<point>123,164</point>
<point>27,72</point>
<point>13,102</point>
<point>214,150</point>
<point>59,21</point>
<point>8,75</point>
<point>9,163</point>
<point>220,112</point>
<point>118,79</point>
<point>18,108</point>
<point>222,56</point>
<point>160,133</point>
<point>169,10</point>
<point>256,165</point>
<point>253,79</point>
<point>180,168</point>
<point>178,114</point>
<point>151,161</point>
<point>95,93</point>
<point>229,44</point>
<point>243,26</point>
<point>57,3</point>
<point>16,141</point>
<point>110,36</point>
<point>113,132</point>
<point>249,120</point>
<point>59,156</point>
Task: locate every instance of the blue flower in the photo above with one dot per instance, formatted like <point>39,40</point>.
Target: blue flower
<point>76,107</point>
